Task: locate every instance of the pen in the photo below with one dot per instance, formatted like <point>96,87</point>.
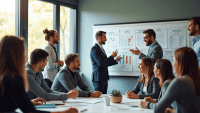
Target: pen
<point>132,106</point>
<point>83,110</point>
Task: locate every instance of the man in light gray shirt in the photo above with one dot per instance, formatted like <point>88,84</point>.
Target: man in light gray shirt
<point>37,85</point>
<point>68,79</point>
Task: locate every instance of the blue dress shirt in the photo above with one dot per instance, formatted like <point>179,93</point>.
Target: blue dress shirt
<point>196,47</point>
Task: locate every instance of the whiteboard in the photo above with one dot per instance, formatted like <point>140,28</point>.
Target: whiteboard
<point>171,35</point>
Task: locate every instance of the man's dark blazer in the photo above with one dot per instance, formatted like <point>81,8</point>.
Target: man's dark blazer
<point>153,88</point>
<point>100,63</point>
<point>155,53</point>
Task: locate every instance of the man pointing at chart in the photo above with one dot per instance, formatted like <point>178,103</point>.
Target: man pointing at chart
<point>155,51</point>
<point>100,63</point>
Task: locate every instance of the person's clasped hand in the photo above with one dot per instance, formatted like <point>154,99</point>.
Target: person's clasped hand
<point>38,101</point>
<point>95,94</point>
<point>73,93</point>
<point>114,54</point>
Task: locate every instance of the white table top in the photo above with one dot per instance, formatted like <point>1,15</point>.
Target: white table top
<point>99,107</point>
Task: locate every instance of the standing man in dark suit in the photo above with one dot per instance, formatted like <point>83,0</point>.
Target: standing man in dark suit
<point>100,63</point>
<point>155,51</point>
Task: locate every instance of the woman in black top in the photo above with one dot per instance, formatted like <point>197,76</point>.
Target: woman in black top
<point>13,79</point>
<point>147,84</point>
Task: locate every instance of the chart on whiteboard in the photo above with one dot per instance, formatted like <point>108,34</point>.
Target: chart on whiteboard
<point>127,38</point>
<point>125,64</point>
<point>177,37</point>
<point>112,39</point>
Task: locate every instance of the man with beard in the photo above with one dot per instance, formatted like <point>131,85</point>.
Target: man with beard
<point>100,63</point>
<point>68,79</point>
<point>53,61</point>
<point>194,28</point>
<point>155,51</point>
<point>37,85</point>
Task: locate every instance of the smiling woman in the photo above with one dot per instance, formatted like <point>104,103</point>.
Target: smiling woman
<point>147,84</point>
<point>7,18</point>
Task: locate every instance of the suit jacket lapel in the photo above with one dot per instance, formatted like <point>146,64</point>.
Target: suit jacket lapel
<point>152,47</point>
<point>148,85</point>
<point>100,50</point>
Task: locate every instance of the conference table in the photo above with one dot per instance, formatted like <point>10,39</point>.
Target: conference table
<point>96,105</point>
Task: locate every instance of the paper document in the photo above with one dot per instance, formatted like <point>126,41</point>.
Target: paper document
<point>86,100</point>
<point>161,36</point>
<point>73,104</point>
<point>177,37</point>
<point>127,39</point>
<point>123,109</point>
<point>132,100</point>
<point>112,39</point>
<point>57,102</point>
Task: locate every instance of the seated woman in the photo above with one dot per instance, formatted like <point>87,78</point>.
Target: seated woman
<point>185,88</point>
<point>13,79</point>
<point>162,71</point>
<point>147,84</point>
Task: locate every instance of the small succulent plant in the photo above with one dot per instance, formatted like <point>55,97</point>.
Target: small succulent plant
<point>116,93</point>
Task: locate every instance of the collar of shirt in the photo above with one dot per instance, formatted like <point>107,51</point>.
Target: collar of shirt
<point>100,46</point>
<point>152,44</point>
<point>196,39</point>
<point>53,46</point>
<point>72,73</point>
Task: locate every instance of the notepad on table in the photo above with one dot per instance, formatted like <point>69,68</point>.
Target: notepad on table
<point>45,106</point>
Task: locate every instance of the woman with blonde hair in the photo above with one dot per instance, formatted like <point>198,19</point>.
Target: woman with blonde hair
<point>147,85</point>
<point>13,79</point>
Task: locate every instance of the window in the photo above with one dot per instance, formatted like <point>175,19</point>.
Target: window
<point>7,18</point>
<point>67,31</point>
<point>40,16</point>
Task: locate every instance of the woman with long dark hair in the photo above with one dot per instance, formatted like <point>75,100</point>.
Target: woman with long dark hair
<point>147,84</point>
<point>162,71</point>
<point>185,88</point>
<point>13,78</point>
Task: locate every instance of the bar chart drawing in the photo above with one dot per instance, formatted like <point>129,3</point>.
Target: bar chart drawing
<point>125,64</point>
<point>126,59</point>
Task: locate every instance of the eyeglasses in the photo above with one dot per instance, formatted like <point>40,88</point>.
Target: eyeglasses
<point>146,37</point>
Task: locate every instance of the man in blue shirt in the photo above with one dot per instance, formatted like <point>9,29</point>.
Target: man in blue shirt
<point>194,28</point>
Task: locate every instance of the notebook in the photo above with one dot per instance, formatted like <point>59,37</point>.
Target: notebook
<point>46,106</point>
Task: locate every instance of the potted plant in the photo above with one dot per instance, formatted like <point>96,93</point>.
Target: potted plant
<point>116,96</point>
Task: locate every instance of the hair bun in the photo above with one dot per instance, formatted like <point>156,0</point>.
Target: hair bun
<point>45,31</point>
